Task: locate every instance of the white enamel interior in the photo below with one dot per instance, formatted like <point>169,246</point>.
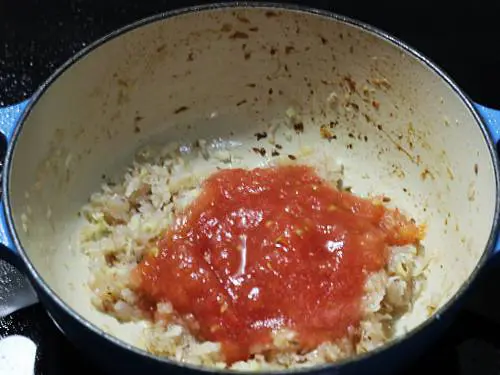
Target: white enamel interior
<point>236,71</point>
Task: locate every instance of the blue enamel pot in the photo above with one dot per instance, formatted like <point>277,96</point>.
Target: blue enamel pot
<point>403,128</point>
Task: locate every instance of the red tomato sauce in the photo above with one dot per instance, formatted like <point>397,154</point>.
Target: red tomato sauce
<point>268,249</point>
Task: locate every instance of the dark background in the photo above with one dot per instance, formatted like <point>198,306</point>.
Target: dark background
<point>36,36</point>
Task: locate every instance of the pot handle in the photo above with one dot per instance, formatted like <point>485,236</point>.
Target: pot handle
<point>9,117</point>
<point>17,292</point>
<point>491,119</point>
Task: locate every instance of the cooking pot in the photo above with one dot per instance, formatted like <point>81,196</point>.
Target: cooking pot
<point>404,129</point>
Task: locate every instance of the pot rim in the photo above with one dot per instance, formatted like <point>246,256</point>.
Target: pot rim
<point>36,277</point>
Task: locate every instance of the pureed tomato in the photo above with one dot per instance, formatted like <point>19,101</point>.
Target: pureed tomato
<point>267,249</point>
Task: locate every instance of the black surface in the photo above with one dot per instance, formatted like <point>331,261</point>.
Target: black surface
<point>36,36</point>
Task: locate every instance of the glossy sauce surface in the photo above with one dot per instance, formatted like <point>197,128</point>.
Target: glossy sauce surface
<point>268,249</point>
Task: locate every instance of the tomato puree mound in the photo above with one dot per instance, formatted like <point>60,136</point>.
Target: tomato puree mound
<point>269,249</point>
